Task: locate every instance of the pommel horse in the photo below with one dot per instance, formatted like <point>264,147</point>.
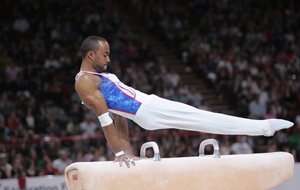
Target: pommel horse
<point>257,171</point>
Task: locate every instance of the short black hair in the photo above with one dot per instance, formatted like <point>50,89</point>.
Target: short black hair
<point>90,44</point>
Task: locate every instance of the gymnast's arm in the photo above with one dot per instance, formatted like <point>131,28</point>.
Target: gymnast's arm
<point>86,86</point>
<point>121,126</point>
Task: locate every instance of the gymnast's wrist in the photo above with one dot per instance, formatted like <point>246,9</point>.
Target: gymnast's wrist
<point>120,153</point>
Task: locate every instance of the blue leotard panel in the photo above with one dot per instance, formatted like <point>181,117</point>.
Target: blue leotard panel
<point>118,96</point>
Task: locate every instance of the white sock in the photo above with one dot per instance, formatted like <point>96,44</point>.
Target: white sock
<point>277,124</point>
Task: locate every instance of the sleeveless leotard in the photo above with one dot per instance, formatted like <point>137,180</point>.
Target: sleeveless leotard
<point>120,98</point>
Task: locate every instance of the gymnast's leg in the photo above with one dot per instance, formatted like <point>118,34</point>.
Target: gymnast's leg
<point>158,113</point>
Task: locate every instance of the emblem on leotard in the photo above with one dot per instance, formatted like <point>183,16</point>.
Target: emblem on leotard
<point>126,89</point>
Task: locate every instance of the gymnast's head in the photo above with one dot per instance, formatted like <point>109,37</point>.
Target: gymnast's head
<point>95,51</point>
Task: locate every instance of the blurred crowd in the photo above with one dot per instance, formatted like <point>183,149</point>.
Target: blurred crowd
<point>250,57</point>
<point>247,51</point>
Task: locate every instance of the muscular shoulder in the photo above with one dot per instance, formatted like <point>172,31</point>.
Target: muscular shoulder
<point>87,77</point>
<point>87,80</point>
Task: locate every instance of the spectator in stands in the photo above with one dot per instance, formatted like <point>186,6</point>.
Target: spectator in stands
<point>130,51</point>
<point>256,109</point>
<point>73,126</point>
<point>4,172</point>
<point>12,71</point>
<point>50,170</point>
<point>272,147</point>
<point>285,113</point>
<point>29,119</point>
<point>168,91</point>
<point>144,51</point>
<point>41,162</point>
<point>30,169</point>
<point>61,162</point>
<point>21,24</point>
<point>183,88</point>
<point>89,155</point>
<point>243,107</point>
<point>17,167</point>
<point>294,138</point>
<point>225,147</point>
<point>172,77</point>
<point>241,63</point>
<point>53,127</point>
<point>160,64</point>
<point>100,154</point>
<point>5,167</point>
<point>4,130</point>
<point>263,94</point>
<point>270,113</point>
<point>13,121</point>
<point>77,155</point>
<point>88,126</point>
<point>56,32</point>
<point>65,61</point>
<point>76,111</point>
<point>51,62</point>
<point>281,139</point>
<point>41,147</point>
<point>38,45</point>
<point>22,148</point>
<point>288,98</point>
<point>7,106</point>
<point>206,105</point>
<point>249,83</point>
<point>240,146</point>
<point>194,97</point>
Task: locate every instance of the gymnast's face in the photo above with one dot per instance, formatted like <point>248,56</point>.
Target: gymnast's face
<point>102,57</point>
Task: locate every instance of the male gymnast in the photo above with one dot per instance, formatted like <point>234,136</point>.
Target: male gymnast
<point>103,93</point>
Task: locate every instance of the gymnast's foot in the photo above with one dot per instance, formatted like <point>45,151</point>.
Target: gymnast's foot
<point>276,125</point>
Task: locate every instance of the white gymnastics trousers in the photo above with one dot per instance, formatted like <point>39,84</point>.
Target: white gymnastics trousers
<point>159,113</point>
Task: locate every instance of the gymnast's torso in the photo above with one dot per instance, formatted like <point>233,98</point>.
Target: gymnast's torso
<point>120,98</point>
